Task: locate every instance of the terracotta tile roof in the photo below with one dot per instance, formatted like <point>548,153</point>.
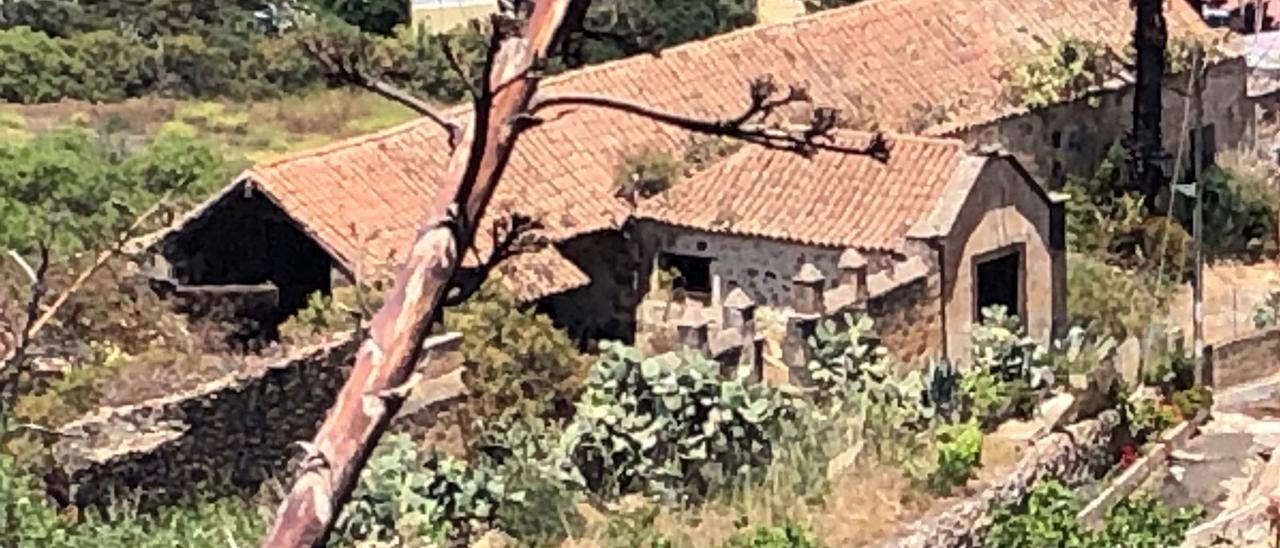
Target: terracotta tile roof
<point>382,185</point>
<point>882,58</point>
<point>832,199</point>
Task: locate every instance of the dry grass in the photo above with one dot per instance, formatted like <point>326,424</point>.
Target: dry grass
<point>247,132</point>
<point>861,507</point>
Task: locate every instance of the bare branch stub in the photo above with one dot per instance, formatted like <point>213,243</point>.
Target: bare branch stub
<point>755,125</point>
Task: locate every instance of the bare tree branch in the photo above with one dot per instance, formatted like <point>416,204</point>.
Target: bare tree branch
<point>17,363</point>
<point>97,264</point>
<point>455,64</point>
<point>348,63</point>
<point>509,237</point>
<point>750,126</point>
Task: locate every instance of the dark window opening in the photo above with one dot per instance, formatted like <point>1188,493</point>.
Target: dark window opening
<point>693,274</point>
<point>999,282</point>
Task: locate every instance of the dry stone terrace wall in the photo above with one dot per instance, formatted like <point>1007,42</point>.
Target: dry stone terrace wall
<point>1245,359</point>
<point>230,434</point>
<point>1074,458</point>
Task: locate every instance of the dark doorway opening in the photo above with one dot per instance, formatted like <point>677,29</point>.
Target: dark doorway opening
<point>998,281</point>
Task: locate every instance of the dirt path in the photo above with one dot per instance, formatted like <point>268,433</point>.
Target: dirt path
<point>1231,468</point>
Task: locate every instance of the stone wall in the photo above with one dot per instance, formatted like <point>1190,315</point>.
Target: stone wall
<point>234,433</point>
<point>909,321</point>
<point>760,266</point>
<point>1071,138</point>
<point>1074,459</point>
<point>1245,359</point>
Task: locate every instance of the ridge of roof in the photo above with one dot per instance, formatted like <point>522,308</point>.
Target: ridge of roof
<point>341,144</point>
<point>611,64</point>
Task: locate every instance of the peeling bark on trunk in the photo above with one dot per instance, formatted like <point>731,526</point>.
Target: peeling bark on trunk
<point>386,360</point>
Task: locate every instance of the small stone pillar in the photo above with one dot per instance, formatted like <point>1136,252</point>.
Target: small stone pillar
<point>795,348</point>
<point>853,273</point>
<point>809,285</point>
<point>692,330</point>
<point>739,311</point>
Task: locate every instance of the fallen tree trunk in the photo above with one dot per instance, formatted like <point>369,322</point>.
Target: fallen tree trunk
<point>398,334</point>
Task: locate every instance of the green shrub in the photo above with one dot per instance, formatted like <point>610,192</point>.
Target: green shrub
<point>1066,71</point>
<point>1092,287</point>
<point>1142,521</point>
<point>1239,214</point>
<point>402,496</point>
<point>959,453</point>
<point>28,519</point>
<point>788,535</point>
<point>1147,417</point>
<point>518,363</point>
<point>1170,372</point>
<point>36,68</point>
<point>75,185</point>
<point>1006,369</point>
<point>1192,400</point>
<point>667,425</point>
<point>842,352</point>
<point>1048,518</point>
<point>116,66</point>
<point>648,172</point>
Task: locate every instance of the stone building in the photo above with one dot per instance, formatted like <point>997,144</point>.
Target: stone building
<point>922,241</point>
<point>309,220</point>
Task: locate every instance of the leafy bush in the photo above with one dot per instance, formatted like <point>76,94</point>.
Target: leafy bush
<point>1092,287</point>
<point>1066,71</point>
<point>36,68</point>
<point>400,498</point>
<point>841,352</point>
<point>648,172</point>
<point>1048,518</point>
<point>518,362</point>
<point>788,535</point>
<point>116,66</point>
<point>1143,521</point>
<point>1191,401</point>
<point>80,189</point>
<point>524,452</point>
<point>27,518</point>
<point>1170,372</point>
<point>1239,214</point>
<point>1006,369</point>
<point>959,453</point>
<point>1147,417</point>
<point>666,425</point>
